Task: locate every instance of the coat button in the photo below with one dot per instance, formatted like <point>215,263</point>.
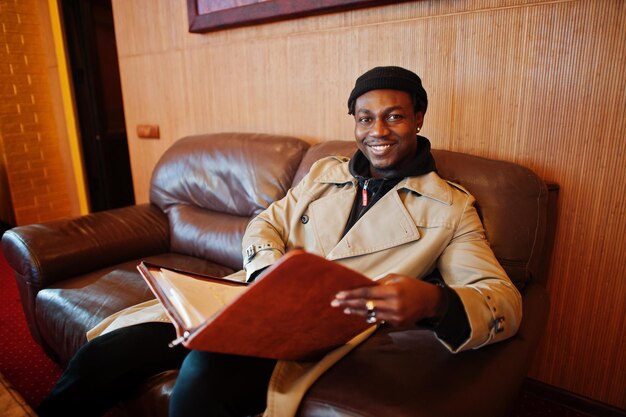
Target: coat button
<point>498,324</point>
<point>304,219</point>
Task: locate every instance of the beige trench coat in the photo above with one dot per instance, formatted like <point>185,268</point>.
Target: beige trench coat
<point>422,224</point>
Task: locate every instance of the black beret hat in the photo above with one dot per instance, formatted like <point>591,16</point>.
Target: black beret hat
<point>390,78</point>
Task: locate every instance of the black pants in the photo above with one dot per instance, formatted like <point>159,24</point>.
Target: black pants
<point>111,366</point>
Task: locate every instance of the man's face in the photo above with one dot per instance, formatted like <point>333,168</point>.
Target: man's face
<point>385,129</point>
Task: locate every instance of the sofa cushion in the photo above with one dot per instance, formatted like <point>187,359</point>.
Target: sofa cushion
<point>66,310</point>
<point>207,234</point>
<point>221,180</point>
<point>407,372</point>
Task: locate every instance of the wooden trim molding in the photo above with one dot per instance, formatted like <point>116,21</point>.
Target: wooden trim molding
<point>570,400</point>
<point>69,106</point>
<point>208,15</point>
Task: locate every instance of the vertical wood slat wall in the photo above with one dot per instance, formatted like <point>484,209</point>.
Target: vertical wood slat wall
<point>541,83</point>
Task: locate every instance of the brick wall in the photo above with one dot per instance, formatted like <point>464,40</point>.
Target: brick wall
<point>28,132</point>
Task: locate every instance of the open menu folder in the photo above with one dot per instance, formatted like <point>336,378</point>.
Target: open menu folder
<point>284,314</point>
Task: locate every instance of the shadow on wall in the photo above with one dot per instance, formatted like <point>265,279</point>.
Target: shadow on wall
<point>7,218</point>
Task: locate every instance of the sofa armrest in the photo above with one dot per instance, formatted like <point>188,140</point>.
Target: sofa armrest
<point>42,254</point>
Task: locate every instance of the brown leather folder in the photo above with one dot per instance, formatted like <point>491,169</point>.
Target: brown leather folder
<point>284,314</point>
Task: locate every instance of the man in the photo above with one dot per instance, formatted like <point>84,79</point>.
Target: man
<point>385,213</point>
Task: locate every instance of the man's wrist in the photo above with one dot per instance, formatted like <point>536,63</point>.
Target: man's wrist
<point>452,324</point>
<point>441,301</point>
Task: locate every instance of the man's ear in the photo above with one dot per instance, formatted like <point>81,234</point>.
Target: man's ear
<point>419,118</point>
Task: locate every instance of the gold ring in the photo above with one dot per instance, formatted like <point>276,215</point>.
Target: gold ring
<point>371,311</point>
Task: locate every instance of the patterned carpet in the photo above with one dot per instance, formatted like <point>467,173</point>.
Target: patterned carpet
<point>22,361</point>
<point>11,402</point>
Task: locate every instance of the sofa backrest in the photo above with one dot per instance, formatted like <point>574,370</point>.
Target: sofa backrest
<point>210,186</point>
<point>511,200</point>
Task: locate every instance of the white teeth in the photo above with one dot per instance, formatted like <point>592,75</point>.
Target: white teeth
<point>379,147</point>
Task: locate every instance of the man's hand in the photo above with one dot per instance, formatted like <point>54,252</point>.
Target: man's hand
<point>399,300</point>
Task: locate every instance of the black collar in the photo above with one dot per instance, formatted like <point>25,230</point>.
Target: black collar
<point>423,163</point>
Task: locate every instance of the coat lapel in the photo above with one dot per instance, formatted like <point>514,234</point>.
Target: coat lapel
<point>385,225</point>
<point>330,215</point>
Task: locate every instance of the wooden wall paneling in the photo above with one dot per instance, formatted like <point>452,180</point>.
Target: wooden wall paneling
<point>315,90</point>
<point>260,94</point>
<point>149,27</point>
<point>155,92</point>
<point>583,120</point>
<point>486,84</point>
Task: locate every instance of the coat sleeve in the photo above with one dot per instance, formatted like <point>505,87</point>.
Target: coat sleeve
<point>469,266</point>
<point>265,239</point>
<point>266,236</point>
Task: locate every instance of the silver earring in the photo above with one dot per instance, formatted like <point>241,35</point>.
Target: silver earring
<point>418,129</point>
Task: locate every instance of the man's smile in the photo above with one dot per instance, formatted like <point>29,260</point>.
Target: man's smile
<point>379,149</point>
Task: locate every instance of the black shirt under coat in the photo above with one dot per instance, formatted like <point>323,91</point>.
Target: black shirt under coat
<point>453,326</point>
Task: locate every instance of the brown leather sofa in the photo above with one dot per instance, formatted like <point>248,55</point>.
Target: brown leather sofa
<point>73,273</point>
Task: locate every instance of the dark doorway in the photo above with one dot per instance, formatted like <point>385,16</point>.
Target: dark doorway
<point>92,54</point>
